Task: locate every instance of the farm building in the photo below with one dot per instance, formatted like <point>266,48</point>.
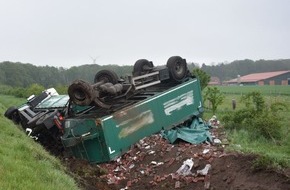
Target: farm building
<point>268,78</point>
<point>214,81</point>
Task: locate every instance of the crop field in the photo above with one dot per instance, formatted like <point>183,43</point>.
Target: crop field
<point>274,90</point>
<point>271,94</point>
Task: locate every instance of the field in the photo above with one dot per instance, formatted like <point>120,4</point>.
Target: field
<point>274,90</point>
<point>271,94</point>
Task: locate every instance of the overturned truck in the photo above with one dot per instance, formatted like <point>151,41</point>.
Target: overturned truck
<point>101,121</point>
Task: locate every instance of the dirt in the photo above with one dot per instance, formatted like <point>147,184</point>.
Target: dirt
<point>152,163</point>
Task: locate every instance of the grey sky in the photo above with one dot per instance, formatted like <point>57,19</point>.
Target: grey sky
<point>71,33</point>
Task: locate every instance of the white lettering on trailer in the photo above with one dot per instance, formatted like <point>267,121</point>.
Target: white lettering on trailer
<point>111,151</point>
<point>158,96</point>
<point>177,103</point>
<point>168,92</point>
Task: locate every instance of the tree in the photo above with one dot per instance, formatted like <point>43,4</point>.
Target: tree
<point>203,77</point>
<point>215,97</point>
<point>34,89</point>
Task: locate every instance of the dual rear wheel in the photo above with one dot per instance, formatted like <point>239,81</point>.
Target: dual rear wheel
<point>176,65</point>
<point>177,68</point>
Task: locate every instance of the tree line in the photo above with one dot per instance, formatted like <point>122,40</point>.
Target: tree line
<point>24,75</point>
<point>244,67</point>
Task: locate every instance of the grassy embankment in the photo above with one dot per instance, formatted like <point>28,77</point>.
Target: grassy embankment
<point>24,164</point>
<point>273,153</point>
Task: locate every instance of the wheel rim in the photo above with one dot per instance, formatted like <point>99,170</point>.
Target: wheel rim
<point>179,68</point>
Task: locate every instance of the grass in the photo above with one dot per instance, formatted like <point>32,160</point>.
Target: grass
<point>7,101</point>
<point>271,154</point>
<point>266,89</point>
<point>24,164</point>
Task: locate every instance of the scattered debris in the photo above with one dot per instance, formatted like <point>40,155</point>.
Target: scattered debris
<point>207,182</point>
<point>205,170</point>
<point>144,161</point>
<point>151,152</point>
<point>217,141</point>
<point>205,151</point>
<point>214,122</point>
<point>149,173</point>
<point>177,184</point>
<point>185,169</point>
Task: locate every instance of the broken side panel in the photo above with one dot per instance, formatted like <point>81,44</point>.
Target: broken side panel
<point>85,139</point>
<point>117,132</point>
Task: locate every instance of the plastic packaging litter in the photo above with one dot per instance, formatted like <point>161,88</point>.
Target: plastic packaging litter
<point>217,141</point>
<point>205,151</point>
<point>185,169</point>
<point>205,170</point>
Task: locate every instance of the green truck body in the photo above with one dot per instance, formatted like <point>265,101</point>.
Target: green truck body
<point>101,139</point>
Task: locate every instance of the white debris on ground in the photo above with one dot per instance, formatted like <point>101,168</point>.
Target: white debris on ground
<point>148,159</point>
<point>185,169</point>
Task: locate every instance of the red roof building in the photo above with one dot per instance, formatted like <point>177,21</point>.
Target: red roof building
<point>268,78</point>
<point>214,81</point>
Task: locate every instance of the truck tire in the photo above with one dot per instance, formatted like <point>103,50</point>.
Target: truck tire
<point>81,93</point>
<point>142,66</point>
<point>10,112</point>
<point>177,68</point>
<point>107,75</point>
<point>13,114</point>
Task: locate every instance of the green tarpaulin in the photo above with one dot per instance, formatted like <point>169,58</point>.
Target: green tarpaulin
<point>196,132</point>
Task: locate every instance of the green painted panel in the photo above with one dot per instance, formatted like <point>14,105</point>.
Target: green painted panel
<point>85,139</point>
<point>161,111</point>
<point>127,126</point>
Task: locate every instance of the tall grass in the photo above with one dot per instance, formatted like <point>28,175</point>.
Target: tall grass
<point>24,164</point>
<point>278,154</point>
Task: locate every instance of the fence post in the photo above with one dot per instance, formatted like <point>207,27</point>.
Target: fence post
<point>234,104</point>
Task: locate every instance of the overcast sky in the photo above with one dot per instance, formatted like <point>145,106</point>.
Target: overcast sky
<point>75,32</point>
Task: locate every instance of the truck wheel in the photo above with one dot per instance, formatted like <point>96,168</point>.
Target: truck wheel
<point>81,92</point>
<point>142,66</point>
<point>177,68</point>
<point>107,75</point>
<point>10,112</point>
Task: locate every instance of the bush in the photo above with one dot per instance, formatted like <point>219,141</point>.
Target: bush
<point>268,126</point>
<point>33,89</point>
<point>214,96</point>
<point>5,89</point>
<point>61,89</point>
<point>257,118</point>
<point>22,92</point>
